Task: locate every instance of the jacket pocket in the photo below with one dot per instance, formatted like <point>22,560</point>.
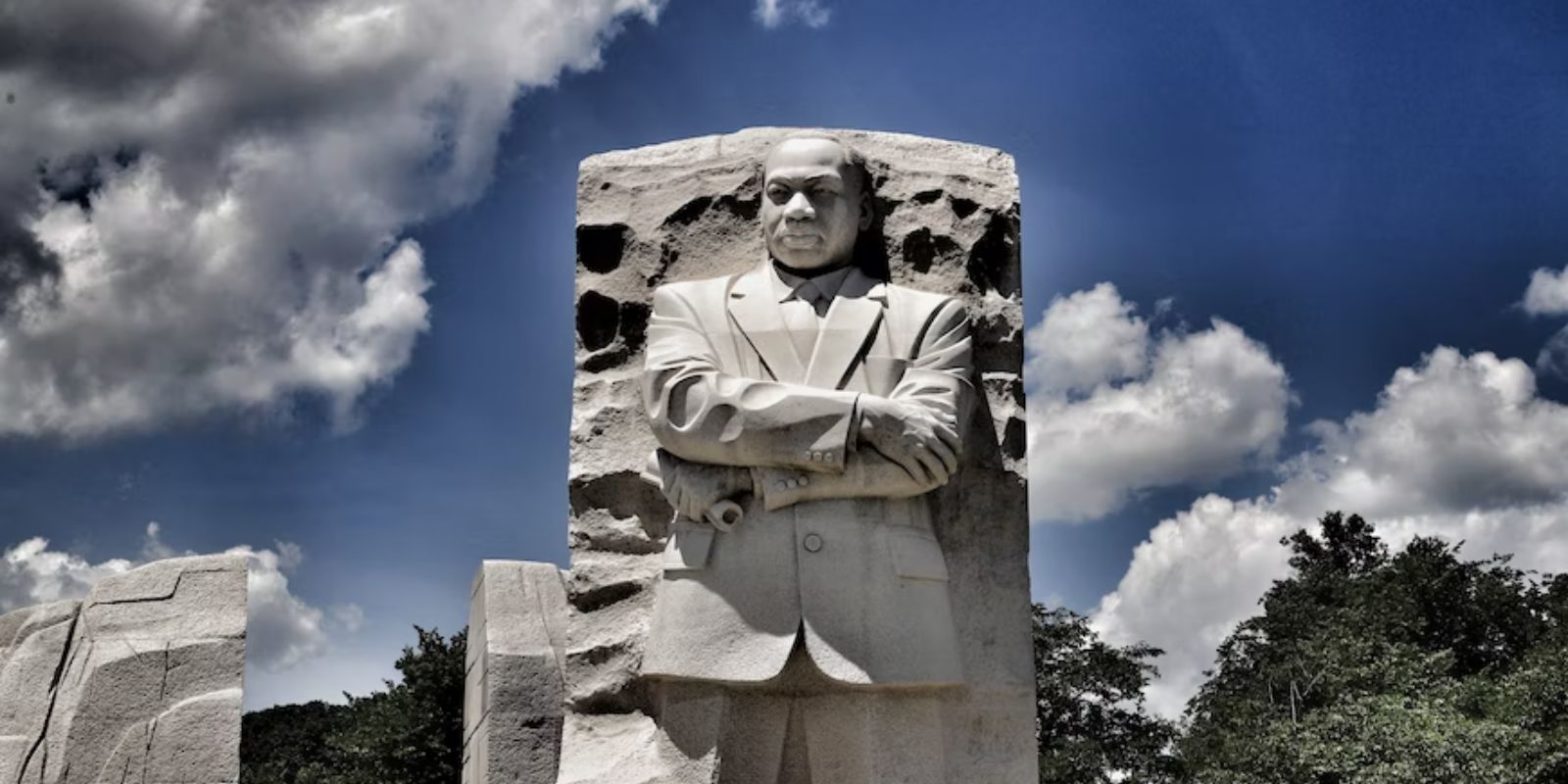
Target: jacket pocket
<point>917,556</point>
<point>688,549</point>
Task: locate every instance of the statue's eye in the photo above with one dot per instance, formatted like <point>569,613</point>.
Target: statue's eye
<point>778,193</point>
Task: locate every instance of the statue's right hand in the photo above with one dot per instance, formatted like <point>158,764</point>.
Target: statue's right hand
<point>923,444</point>
<point>695,488</point>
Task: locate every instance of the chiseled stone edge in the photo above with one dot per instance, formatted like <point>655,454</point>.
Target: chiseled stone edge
<point>514,687</point>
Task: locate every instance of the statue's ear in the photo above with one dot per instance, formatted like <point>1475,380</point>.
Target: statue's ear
<point>865,209</point>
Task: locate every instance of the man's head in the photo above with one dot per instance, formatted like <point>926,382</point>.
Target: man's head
<point>815,202</point>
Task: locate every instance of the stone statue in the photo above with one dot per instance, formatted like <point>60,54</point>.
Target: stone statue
<point>826,579</point>
<point>826,403</point>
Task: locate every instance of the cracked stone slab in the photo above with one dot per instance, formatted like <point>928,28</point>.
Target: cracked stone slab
<point>139,682</point>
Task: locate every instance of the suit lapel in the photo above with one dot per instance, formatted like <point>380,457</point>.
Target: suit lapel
<point>851,318</point>
<point>755,311</point>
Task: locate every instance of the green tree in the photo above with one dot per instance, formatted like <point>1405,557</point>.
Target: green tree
<point>1367,667</point>
<point>409,733</point>
<point>287,744</point>
<point>1091,720</point>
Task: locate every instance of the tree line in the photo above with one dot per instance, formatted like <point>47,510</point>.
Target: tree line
<point>1363,666</point>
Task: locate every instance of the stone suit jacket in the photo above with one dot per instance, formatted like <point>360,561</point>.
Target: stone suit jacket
<point>838,544</point>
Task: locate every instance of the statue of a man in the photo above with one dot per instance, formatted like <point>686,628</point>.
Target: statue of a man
<point>808,637</point>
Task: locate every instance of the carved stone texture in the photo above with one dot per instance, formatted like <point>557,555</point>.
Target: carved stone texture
<point>513,689</point>
<point>947,223</point>
<point>141,682</point>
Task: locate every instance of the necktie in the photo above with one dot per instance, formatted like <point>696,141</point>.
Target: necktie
<point>800,317</point>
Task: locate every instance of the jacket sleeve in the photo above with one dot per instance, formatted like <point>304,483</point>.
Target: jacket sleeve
<point>701,414</point>
<point>937,379</point>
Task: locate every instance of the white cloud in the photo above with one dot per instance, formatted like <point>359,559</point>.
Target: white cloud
<point>31,573</point>
<point>348,617</point>
<point>774,13</point>
<point>201,203</point>
<point>1196,576</point>
<point>283,632</point>
<point>1547,294</point>
<point>1114,411</point>
<point>1084,340</point>
<point>1453,433</point>
<point>1458,446</point>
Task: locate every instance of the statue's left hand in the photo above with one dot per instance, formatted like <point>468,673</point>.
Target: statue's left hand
<point>693,488</point>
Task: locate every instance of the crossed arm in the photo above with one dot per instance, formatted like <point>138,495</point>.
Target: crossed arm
<point>723,434</point>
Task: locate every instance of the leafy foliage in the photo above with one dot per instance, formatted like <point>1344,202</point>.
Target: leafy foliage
<point>410,733</point>
<point>1089,708</point>
<point>1367,667</point>
<point>288,744</point>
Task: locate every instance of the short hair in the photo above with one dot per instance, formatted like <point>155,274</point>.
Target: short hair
<point>851,158</point>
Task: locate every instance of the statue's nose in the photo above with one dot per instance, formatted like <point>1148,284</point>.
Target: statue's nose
<point>799,207</point>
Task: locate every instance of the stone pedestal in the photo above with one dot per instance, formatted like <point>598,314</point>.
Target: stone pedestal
<point>140,682</point>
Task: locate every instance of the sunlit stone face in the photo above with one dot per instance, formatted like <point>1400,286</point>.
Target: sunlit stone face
<point>813,204</point>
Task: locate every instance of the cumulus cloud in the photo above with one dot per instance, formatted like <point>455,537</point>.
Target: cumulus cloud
<point>1553,358</point>
<point>1547,294</point>
<point>1458,446</point>
<point>1086,339</point>
<point>1453,433</point>
<point>775,13</point>
<point>201,203</point>
<point>1115,410</point>
<point>31,573</point>
<point>1190,582</point>
<point>284,630</point>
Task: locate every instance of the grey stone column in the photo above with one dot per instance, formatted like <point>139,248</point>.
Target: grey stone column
<point>512,713</point>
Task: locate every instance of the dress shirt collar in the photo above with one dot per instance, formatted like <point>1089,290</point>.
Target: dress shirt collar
<point>788,286</point>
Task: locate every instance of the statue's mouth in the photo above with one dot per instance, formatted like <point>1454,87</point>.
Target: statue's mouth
<point>800,241</point>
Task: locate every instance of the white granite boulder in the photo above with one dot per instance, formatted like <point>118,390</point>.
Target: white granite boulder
<point>140,682</point>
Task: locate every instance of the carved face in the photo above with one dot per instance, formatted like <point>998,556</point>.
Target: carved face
<point>813,205</point>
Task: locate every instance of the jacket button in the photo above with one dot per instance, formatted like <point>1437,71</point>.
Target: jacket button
<point>812,543</point>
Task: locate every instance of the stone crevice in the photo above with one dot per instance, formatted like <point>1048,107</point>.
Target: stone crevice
<point>54,696</point>
<point>140,641</point>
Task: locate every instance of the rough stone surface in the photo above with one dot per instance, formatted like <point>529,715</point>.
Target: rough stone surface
<point>513,712</point>
<point>140,682</point>
<point>948,223</point>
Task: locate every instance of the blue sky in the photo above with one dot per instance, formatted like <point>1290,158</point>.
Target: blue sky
<point>1350,185</point>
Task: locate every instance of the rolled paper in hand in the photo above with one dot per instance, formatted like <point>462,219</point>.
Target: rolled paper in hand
<point>724,515</point>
